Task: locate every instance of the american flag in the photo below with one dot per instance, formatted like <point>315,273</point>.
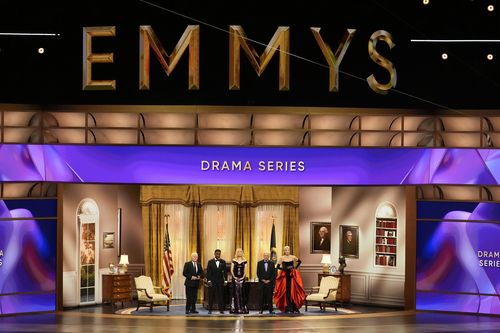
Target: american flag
<point>168,265</point>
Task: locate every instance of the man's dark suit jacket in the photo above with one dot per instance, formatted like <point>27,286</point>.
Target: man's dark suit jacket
<point>325,246</point>
<point>214,274</point>
<point>189,272</point>
<point>271,271</point>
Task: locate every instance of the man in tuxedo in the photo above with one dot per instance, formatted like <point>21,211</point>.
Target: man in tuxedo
<point>266,272</point>
<point>322,242</point>
<point>193,273</point>
<point>216,280</point>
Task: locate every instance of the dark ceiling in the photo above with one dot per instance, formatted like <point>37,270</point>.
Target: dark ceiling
<point>467,80</point>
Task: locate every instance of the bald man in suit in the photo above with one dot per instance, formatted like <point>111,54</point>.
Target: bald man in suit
<point>192,272</point>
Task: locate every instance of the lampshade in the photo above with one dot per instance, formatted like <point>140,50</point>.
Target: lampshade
<point>124,259</point>
<point>326,260</point>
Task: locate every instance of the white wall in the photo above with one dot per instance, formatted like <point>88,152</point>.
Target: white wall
<point>108,198</point>
<point>315,205</point>
<point>355,206</point>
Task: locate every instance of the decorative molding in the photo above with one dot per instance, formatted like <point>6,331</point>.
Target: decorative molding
<point>359,286</point>
<point>386,289</point>
<point>70,298</point>
<point>377,289</point>
<point>98,291</point>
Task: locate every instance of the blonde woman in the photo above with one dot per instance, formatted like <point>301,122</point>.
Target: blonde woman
<point>239,269</point>
<point>289,292</point>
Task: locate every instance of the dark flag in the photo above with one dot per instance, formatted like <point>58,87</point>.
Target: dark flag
<point>168,265</point>
<point>274,256</point>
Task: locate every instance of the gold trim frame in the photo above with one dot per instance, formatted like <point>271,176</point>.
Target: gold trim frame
<point>315,239</point>
<point>352,251</point>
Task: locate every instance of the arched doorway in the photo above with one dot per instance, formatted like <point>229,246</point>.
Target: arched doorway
<point>87,216</point>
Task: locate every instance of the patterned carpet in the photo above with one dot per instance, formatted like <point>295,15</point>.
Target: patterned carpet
<point>179,310</point>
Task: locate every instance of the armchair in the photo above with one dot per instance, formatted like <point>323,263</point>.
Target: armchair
<point>146,293</point>
<point>325,294</point>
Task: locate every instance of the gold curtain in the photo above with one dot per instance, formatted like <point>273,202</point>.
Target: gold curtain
<point>246,198</point>
<point>152,216</point>
<point>291,229</point>
<point>245,219</point>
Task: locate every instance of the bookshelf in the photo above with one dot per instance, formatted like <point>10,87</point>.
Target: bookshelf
<point>386,240</point>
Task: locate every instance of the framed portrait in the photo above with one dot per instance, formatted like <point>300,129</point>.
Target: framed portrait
<point>349,241</point>
<point>108,240</point>
<point>320,237</point>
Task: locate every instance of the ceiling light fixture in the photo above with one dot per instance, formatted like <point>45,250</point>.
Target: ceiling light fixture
<point>444,56</point>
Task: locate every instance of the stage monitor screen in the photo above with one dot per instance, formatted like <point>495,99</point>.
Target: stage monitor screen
<point>458,257</point>
<point>28,248</point>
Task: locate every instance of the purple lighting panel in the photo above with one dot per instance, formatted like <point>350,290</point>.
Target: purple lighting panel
<point>27,257</point>
<point>458,257</point>
<point>248,165</point>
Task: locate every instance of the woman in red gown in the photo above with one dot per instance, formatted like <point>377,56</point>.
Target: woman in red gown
<point>289,292</point>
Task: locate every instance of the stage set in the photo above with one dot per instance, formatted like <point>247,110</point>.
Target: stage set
<point>137,138</point>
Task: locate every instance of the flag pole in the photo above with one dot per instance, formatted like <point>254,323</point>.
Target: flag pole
<point>274,256</point>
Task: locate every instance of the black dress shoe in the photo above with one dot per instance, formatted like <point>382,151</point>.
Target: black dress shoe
<point>187,312</point>
<point>194,311</point>
<point>271,312</point>
<point>222,312</point>
<point>260,312</point>
<point>209,312</point>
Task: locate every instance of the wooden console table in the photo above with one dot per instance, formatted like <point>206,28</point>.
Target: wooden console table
<point>344,291</point>
<point>116,288</point>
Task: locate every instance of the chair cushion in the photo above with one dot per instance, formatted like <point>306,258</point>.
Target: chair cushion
<point>155,297</point>
<point>327,283</point>
<point>144,282</point>
<point>321,297</point>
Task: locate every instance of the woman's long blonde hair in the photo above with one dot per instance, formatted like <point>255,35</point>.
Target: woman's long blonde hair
<point>242,253</point>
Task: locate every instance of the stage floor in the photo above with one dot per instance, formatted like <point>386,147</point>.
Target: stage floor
<point>370,319</point>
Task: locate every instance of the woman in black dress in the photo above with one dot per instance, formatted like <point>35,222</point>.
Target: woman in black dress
<point>239,273</point>
<point>289,292</point>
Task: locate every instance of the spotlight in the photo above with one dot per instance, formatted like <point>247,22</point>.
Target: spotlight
<point>425,2</point>
<point>444,56</point>
<point>41,50</point>
<point>489,56</point>
<point>491,8</point>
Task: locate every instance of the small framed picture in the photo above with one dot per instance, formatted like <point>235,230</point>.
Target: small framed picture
<point>349,241</point>
<point>108,240</point>
<point>320,237</point>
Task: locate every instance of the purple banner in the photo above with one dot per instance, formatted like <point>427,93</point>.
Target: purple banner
<point>248,165</point>
<point>458,258</point>
<point>27,256</point>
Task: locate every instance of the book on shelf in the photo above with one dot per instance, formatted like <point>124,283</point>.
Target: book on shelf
<point>385,260</point>
<point>389,233</point>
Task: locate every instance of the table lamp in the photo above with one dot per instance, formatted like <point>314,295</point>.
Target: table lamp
<point>124,262</point>
<point>326,261</point>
